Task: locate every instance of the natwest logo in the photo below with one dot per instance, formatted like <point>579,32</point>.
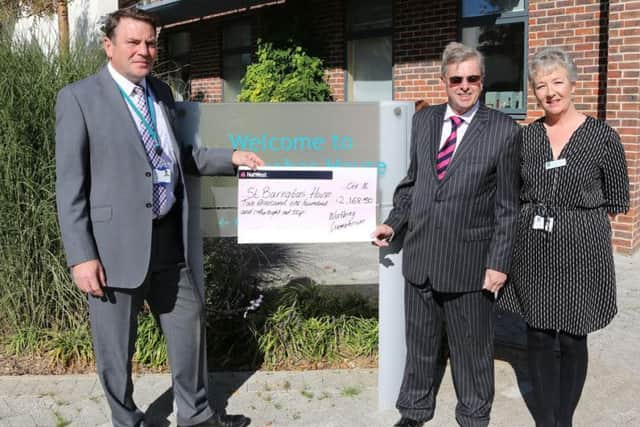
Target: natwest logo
<point>253,174</point>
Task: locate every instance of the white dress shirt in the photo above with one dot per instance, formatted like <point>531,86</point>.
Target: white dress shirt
<point>462,129</point>
<point>162,127</point>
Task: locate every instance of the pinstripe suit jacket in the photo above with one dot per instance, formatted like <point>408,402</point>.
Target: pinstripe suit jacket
<point>465,223</point>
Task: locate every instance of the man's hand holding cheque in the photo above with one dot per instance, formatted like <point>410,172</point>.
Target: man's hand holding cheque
<point>246,158</point>
<point>382,235</point>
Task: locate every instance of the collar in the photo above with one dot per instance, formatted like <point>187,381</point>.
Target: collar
<point>466,117</point>
<point>126,84</point>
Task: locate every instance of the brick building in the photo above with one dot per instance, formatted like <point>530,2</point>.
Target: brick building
<point>390,49</point>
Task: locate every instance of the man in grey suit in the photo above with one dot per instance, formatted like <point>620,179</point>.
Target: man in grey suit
<point>458,205</point>
<point>123,212</point>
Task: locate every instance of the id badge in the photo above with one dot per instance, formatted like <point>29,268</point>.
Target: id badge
<point>162,175</point>
<point>548,224</point>
<point>555,164</point>
<point>538,222</point>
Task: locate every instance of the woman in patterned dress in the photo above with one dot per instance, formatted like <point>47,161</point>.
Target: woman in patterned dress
<point>574,180</point>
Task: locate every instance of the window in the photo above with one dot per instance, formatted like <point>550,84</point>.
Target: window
<point>236,55</point>
<point>176,70</point>
<point>369,60</point>
<point>498,29</point>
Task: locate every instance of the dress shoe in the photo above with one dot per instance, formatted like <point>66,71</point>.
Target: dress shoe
<point>408,422</point>
<point>224,421</point>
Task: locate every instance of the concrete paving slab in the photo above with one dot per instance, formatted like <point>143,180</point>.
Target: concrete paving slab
<point>45,417</point>
<point>5,410</point>
<point>17,421</point>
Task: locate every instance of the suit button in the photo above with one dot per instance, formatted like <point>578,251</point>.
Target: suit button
<point>148,205</point>
<point>147,174</point>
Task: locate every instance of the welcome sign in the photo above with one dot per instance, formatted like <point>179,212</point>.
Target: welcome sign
<point>312,145</point>
<point>288,134</point>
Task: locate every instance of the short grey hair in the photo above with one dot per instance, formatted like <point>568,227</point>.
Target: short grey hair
<point>455,53</point>
<point>550,58</point>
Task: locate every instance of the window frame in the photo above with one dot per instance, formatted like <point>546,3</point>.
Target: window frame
<point>360,35</point>
<point>501,19</point>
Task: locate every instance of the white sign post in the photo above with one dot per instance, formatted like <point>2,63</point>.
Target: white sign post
<point>306,204</point>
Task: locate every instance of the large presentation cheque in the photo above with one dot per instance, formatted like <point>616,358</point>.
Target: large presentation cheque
<point>306,204</point>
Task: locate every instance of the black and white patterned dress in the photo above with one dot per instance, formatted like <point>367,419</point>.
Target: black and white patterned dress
<point>564,279</point>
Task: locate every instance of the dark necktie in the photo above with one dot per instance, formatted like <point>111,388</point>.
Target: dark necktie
<point>155,158</point>
<point>446,152</point>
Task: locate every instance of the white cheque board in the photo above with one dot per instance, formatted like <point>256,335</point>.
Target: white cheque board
<point>306,204</point>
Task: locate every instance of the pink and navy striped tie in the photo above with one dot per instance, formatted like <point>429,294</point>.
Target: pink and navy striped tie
<point>446,152</point>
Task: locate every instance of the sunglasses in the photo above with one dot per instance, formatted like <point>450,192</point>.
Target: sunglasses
<point>456,80</point>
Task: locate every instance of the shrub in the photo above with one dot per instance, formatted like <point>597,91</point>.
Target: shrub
<point>41,311</point>
<point>283,75</point>
<point>69,346</point>
<point>151,347</point>
<point>35,289</point>
<point>289,338</point>
<point>309,324</point>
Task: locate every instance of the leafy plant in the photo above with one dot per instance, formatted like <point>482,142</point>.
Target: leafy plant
<point>60,420</point>
<point>314,300</point>
<point>289,338</point>
<point>24,341</point>
<point>285,74</point>
<point>35,288</point>
<point>351,391</point>
<point>151,347</point>
<point>69,346</point>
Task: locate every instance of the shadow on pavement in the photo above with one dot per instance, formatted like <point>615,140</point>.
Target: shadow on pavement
<point>160,409</point>
<point>511,347</point>
<point>222,385</point>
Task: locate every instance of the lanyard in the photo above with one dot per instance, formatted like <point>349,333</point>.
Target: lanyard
<point>151,127</point>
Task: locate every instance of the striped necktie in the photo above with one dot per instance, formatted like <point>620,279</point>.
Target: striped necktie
<point>446,152</point>
<point>154,156</point>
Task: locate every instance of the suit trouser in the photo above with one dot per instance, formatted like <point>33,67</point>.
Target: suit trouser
<point>469,323</point>
<point>176,303</point>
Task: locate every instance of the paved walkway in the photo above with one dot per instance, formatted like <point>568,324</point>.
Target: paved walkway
<point>349,397</point>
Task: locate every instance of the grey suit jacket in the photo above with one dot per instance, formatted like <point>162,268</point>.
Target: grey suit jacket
<point>103,177</point>
<point>460,226</point>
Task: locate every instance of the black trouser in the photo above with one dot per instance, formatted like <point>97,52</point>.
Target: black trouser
<point>469,322</point>
<point>557,379</point>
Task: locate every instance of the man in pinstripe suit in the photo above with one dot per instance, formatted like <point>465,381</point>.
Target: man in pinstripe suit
<point>458,205</point>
